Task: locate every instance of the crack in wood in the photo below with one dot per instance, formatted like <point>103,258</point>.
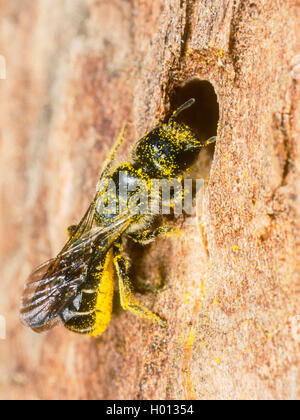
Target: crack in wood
<point>187,31</point>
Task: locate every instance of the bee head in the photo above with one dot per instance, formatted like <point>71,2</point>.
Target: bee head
<point>168,150</point>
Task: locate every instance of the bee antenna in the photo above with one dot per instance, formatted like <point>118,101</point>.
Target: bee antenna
<point>184,106</point>
<point>210,140</point>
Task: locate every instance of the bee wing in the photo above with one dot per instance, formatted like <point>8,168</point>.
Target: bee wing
<point>53,285</point>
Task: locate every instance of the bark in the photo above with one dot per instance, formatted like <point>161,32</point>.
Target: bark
<point>76,72</point>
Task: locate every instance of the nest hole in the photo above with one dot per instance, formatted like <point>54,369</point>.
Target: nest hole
<point>203,116</point>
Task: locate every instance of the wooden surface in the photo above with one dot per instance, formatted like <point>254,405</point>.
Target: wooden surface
<point>76,71</point>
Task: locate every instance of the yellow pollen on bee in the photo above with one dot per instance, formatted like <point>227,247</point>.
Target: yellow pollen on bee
<point>103,307</point>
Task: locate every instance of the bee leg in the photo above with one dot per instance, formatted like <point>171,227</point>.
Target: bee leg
<point>128,302</point>
<point>107,164</point>
<point>148,236</point>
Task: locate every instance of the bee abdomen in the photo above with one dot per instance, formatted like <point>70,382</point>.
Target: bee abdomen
<point>90,311</point>
<point>80,315</point>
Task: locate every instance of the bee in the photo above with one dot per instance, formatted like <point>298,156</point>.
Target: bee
<point>76,288</point>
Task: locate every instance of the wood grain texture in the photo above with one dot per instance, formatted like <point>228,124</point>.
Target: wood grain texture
<point>76,71</point>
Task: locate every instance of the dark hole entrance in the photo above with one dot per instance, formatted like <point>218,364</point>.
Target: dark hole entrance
<point>203,116</point>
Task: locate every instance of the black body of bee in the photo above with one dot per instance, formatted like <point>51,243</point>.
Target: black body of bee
<point>77,286</point>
